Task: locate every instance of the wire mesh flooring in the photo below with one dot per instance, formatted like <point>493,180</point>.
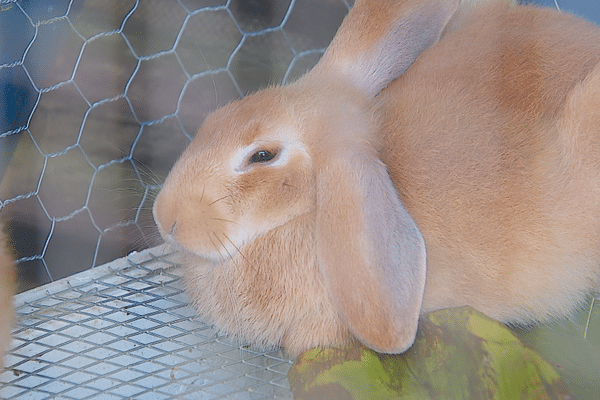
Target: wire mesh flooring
<point>125,330</point>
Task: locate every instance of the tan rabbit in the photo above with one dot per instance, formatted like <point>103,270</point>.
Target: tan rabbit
<point>7,283</point>
<point>304,211</point>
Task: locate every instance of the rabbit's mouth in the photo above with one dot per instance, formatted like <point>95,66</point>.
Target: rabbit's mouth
<point>209,245</point>
<point>210,240</point>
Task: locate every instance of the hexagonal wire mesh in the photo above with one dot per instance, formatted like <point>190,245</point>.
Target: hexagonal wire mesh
<point>99,98</point>
<point>102,96</point>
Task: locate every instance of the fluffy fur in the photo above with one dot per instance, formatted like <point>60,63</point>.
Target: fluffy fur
<point>486,152</point>
<point>493,142</point>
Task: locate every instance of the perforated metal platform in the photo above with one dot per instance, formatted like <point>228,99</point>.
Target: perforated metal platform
<point>125,330</point>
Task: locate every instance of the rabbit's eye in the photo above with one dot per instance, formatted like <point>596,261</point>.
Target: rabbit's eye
<point>262,156</point>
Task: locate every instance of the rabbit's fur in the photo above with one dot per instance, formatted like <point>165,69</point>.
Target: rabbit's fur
<point>7,278</point>
<point>310,214</point>
<point>502,170</point>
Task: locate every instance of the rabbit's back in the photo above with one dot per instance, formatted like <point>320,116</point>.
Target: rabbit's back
<point>501,175</point>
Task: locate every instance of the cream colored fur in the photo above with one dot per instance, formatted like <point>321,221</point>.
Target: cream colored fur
<point>501,177</point>
<point>479,169</point>
<point>6,296</point>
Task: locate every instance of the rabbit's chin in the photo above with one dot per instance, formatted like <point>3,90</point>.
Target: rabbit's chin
<point>204,257</point>
<point>212,256</point>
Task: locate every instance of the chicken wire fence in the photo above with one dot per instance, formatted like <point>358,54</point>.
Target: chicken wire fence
<point>99,97</point>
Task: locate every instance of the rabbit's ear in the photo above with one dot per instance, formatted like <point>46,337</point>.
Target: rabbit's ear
<point>380,39</point>
<point>370,252</point>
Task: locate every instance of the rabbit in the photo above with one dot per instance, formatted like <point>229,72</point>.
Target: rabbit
<point>429,160</point>
<point>7,279</point>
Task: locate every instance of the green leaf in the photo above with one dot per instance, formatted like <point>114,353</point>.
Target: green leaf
<point>458,354</point>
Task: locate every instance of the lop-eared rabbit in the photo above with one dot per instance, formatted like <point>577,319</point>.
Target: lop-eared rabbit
<point>403,174</point>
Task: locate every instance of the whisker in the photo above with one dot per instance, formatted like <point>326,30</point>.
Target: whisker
<point>145,171</point>
<point>236,248</point>
<point>587,324</point>
<point>235,305</point>
<point>218,247</point>
<point>203,189</point>
<point>223,220</point>
<point>240,253</point>
<point>222,198</point>
<point>230,292</point>
<point>223,247</point>
<point>213,242</point>
<point>212,76</point>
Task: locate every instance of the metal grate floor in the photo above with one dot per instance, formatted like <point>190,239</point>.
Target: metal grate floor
<point>125,330</point>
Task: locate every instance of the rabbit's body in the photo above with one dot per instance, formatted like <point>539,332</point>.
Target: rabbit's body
<point>295,235</point>
<point>499,165</point>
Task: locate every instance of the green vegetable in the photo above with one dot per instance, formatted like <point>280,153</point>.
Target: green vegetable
<point>458,354</point>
